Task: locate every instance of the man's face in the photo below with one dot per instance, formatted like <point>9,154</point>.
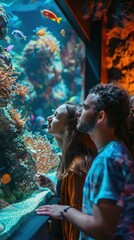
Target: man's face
<point>87,117</point>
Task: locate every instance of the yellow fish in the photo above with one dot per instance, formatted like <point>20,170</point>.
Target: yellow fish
<point>41,32</point>
<point>49,14</point>
<point>63,32</point>
<point>6,178</point>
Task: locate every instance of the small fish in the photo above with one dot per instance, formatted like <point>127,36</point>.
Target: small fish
<point>6,178</point>
<point>9,48</point>
<point>18,34</point>
<point>41,32</point>
<point>51,15</point>
<point>63,32</point>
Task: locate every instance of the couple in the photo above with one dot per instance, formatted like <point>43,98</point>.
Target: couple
<point>108,193</point>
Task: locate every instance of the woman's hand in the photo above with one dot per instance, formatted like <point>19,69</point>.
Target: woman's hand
<point>45,182</point>
<point>43,179</point>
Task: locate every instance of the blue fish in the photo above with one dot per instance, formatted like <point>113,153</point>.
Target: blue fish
<point>18,34</point>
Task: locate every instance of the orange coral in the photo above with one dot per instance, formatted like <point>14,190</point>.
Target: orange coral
<point>42,152</point>
<point>7,80</point>
<point>16,118</point>
<point>21,90</point>
<point>9,86</point>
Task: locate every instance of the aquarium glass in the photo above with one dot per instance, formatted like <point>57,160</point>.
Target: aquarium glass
<point>42,65</point>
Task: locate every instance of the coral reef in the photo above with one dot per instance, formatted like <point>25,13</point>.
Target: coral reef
<point>21,153</point>
<point>7,81</point>
<point>17,161</point>
<point>41,150</point>
<point>17,147</point>
<point>9,87</point>
<point>3,22</point>
<point>42,63</point>
<point>5,58</point>
<point>73,60</point>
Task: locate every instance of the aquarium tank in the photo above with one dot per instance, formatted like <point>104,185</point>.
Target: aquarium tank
<point>42,65</point>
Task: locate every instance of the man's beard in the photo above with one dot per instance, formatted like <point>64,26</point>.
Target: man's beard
<point>88,127</point>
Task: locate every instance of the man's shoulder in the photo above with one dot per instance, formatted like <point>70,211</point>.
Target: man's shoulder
<point>115,148</point>
<point>115,151</point>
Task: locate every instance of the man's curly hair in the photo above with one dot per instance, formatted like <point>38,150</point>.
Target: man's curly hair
<point>114,101</point>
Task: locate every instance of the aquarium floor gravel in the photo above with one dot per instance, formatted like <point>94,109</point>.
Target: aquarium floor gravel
<point>12,217</point>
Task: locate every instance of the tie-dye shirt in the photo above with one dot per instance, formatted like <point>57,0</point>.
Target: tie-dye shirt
<point>111,176</point>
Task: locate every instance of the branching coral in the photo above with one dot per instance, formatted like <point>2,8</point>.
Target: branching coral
<point>42,152</point>
<point>7,81</point>
<point>8,85</point>
<point>16,118</point>
<point>21,90</point>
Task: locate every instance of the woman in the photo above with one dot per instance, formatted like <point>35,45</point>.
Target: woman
<point>77,153</point>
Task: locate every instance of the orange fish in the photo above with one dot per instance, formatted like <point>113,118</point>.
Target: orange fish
<point>51,15</point>
<point>6,178</point>
<point>63,32</point>
<point>41,32</point>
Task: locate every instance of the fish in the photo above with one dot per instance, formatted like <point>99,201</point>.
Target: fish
<point>18,34</point>
<point>63,32</point>
<point>9,48</point>
<point>51,15</point>
<point>41,32</point>
<point>6,178</point>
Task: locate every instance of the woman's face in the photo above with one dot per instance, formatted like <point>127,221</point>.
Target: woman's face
<point>58,121</point>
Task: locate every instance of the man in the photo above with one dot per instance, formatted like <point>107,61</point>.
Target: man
<point>108,194</point>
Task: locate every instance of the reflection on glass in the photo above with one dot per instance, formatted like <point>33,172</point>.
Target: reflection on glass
<point>41,67</point>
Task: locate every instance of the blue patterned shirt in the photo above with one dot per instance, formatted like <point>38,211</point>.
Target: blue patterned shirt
<point>111,176</point>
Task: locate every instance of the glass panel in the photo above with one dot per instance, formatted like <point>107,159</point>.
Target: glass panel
<point>41,66</point>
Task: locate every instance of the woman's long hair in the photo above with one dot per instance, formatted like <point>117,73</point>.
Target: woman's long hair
<point>76,144</point>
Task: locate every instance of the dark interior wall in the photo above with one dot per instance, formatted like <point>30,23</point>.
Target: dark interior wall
<point>93,57</point>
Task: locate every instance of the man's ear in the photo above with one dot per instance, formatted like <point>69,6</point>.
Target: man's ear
<point>101,116</point>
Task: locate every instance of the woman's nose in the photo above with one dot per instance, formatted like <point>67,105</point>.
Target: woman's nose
<point>49,119</point>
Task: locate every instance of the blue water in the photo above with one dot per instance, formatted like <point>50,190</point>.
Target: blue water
<point>47,59</point>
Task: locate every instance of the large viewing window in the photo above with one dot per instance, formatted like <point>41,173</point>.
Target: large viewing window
<point>42,65</point>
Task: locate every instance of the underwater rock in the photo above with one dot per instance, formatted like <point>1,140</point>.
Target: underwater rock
<point>3,22</point>
<point>23,155</point>
<point>5,58</point>
<point>19,161</point>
